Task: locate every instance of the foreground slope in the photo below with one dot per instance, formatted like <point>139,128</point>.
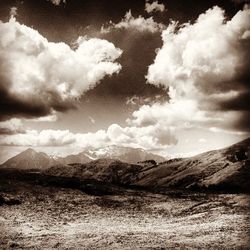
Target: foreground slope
<point>227,169</point>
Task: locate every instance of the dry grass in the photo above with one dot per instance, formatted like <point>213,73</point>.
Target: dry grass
<point>69,219</point>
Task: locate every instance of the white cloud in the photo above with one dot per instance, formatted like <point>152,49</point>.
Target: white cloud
<point>43,138</point>
<point>13,11</point>
<point>202,140</point>
<point>154,7</point>
<point>151,137</point>
<point>207,52</point>
<point>182,113</point>
<point>12,126</point>
<point>91,119</point>
<point>57,2</point>
<point>139,24</point>
<point>201,65</point>
<point>141,100</point>
<point>48,118</point>
<point>51,75</point>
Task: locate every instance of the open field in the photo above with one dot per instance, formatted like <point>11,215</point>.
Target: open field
<point>53,217</point>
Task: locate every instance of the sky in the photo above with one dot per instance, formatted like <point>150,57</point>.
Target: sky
<point>171,77</point>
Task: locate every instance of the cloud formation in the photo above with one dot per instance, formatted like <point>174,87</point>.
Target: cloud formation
<point>151,137</point>
<point>154,7</point>
<point>12,126</point>
<point>205,68</point>
<point>136,23</point>
<point>38,76</point>
<point>13,11</point>
<point>57,2</point>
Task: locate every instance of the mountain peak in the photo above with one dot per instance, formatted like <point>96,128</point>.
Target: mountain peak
<point>29,159</point>
<point>29,150</point>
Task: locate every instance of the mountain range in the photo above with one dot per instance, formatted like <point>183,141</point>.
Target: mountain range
<point>226,169</point>
<point>30,159</point>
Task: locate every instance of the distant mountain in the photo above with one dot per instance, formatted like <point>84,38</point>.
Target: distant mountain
<point>29,159</point>
<point>125,154</point>
<point>77,158</point>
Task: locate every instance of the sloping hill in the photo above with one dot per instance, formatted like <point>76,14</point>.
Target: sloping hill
<point>105,170</point>
<point>227,168</point>
<point>29,159</point>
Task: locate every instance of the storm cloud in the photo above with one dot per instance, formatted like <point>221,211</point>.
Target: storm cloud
<point>38,76</point>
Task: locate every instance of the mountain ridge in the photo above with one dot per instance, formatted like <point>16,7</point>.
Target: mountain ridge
<point>27,158</point>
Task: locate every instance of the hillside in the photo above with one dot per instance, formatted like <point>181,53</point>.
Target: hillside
<point>105,170</point>
<point>227,168</point>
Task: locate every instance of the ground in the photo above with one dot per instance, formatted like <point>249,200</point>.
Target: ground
<point>58,218</point>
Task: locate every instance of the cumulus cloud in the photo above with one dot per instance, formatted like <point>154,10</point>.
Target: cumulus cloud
<point>205,68</point>
<point>136,23</point>
<point>141,100</point>
<point>48,118</point>
<point>12,126</point>
<point>57,2</point>
<point>38,76</point>
<point>151,137</point>
<point>42,138</point>
<point>154,7</point>
<point>13,11</point>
